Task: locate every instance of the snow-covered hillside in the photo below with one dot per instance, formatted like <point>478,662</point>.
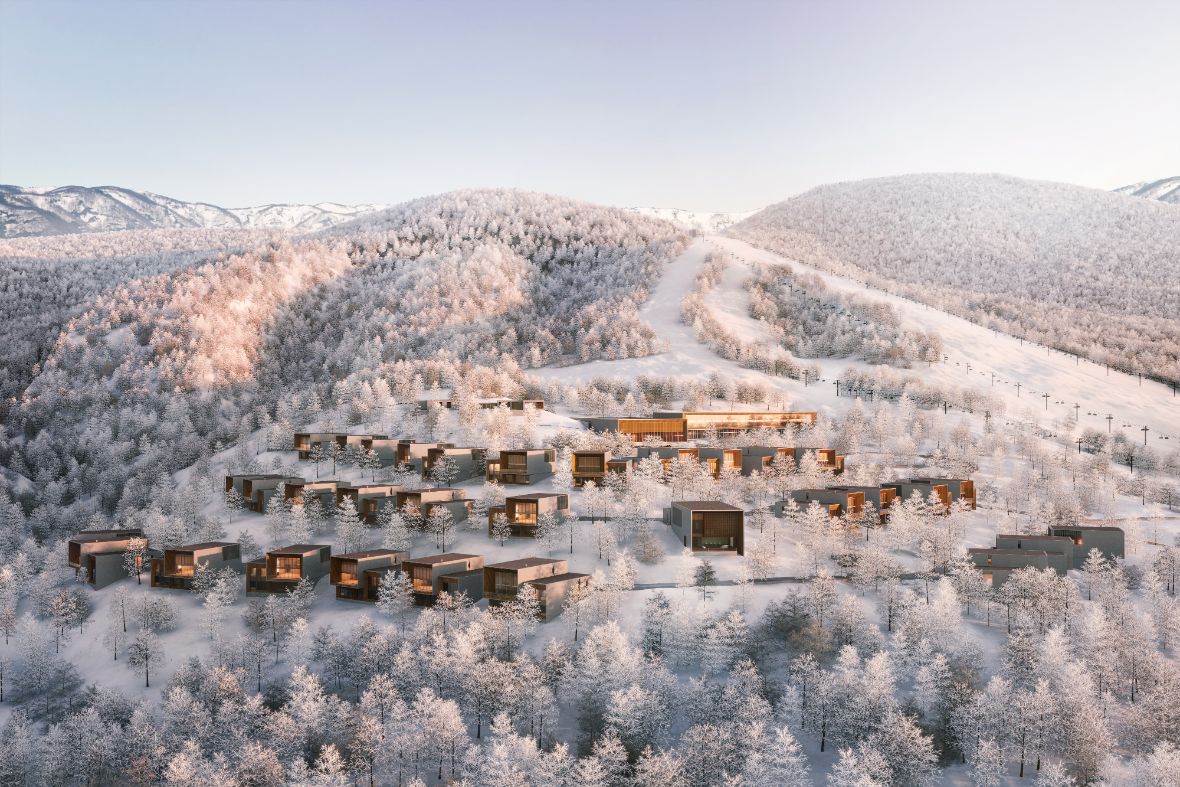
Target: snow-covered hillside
<point>695,220</point>
<point>1164,190</point>
<point>836,649</point>
<point>68,209</point>
<point>1067,379</point>
<point>1079,269</point>
<point>463,280</point>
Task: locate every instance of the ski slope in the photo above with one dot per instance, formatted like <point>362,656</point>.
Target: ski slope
<point>1066,379</point>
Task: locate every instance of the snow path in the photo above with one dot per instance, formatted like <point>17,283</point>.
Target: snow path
<point>730,302</point>
<point>686,357</point>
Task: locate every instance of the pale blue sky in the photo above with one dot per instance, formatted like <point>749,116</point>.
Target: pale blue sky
<point>706,106</point>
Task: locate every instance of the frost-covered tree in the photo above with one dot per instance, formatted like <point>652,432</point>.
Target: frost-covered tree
<point>395,596</point>
<point>144,653</point>
<point>351,533</point>
<point>501,529</point>
<point>394,533</point>
<point>137,558</point>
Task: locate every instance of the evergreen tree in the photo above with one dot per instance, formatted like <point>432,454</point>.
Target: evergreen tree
<point>351,533</point>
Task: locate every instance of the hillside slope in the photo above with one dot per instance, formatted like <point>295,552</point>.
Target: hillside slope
<point>1086,271</point>
<point>1164,190</point>
<point>975,361</point>
<point>158,368</point>
<point>70,209</point>
<point>46,281</point>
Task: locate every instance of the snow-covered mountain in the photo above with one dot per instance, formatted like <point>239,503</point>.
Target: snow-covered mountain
<point>1164,190</point>
<point>1082,269</point>
<point>695,220</point>
<point>70,209</point>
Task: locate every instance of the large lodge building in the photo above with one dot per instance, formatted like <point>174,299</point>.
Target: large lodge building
<point>682,426</point>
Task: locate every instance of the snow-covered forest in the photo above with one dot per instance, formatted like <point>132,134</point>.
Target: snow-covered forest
<point>1085,271</point>
<point>161,367</point>
<point>47,281</point>
<point>813,322</point>
<point>841,647</point>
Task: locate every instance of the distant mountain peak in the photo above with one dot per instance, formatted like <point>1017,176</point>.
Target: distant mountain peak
<point>60,210</point>
<point>1163,190</point>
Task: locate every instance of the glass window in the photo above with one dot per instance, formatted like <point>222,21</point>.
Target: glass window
<point>288,567</point>
<point>182,564</point>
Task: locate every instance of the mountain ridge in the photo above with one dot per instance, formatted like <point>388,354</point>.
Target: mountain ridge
<point>62,210</point>
<point>1162,190</point>
<point>1085,270</point>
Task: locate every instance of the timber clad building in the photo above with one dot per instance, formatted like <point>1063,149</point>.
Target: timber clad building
<point>523,511</point>
<point>551,579</point>
<point>427,500</point>
<point>299,490</point>
<point>178,566</point>
<point>306,442</point>
<point>357,575</point>
<point>719,460</point>
<point>426,573</point>
<point>761,458</point>
<point>413,453</point>
<point>594,465</point>
<point>836,499</point>
<point>589,466</point>
<point>842,499</point>
<point>256,489</point>
<point>522,467</point>
<point>100,553</point>
<point>370,500</point>
<point>465,462</point>
<point>681,426</point>
<point>945,490</point>
<point>282,569</point>
<point>708,525</point>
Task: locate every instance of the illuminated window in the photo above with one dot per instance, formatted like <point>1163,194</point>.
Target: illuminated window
<point>182,564</point>
<point>524,514</point>
<point>287,567</point>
